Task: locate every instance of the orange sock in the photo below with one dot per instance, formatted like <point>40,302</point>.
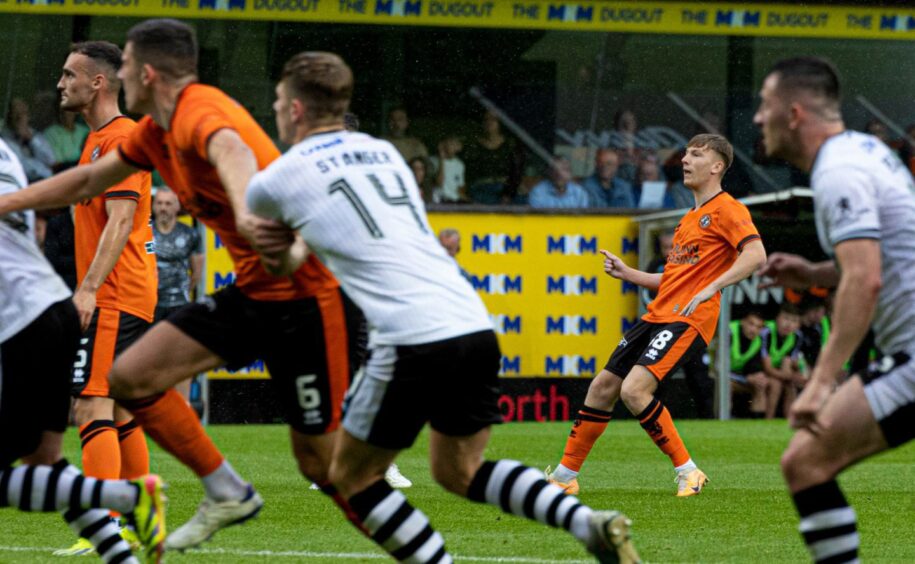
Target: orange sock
<point>171,422</point>
<point>586,429</point>
<point>660,427</point>
<point>101,453</point>
<point>134,452</point>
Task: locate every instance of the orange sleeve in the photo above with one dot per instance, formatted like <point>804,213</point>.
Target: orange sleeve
<point>135,146</point>
<point>131,187</point>
<point>199,124</point>
<point>736,226</point>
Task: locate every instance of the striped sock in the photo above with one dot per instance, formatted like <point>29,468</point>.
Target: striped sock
<point>103,532</point>
<point>62,486</point>
<point>522,491</point>
<point>828,524</point>
<point>399,528</point>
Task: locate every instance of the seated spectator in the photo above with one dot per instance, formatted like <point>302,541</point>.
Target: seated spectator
<point>420,168</point>
<point>676,196</point>
<point>30,146</point>
<point>447,172</point>
<point>558,190</point>
<point>814,329</point>
<point>605,189</point>
<point>626,129</point>
<point>66,138</point>
<point>747,375</point>
<point>781,353</point>
<point>450,239</point>
<point>409,147</point>
<point>493,168</point>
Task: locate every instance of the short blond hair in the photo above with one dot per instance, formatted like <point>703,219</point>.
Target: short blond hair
<point>717,143</point>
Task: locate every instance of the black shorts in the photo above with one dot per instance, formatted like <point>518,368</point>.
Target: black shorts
<point>661,348</point>
<point>162,312</point>
<point>35,367</point>
<point>310,346</point>
<point>452,384</point>
<point>109,334</point>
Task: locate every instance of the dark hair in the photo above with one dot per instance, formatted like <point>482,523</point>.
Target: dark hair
<point>104,54</point>
<point>717,143</point>
<point>789,308</point>
<point>753,313</point>
<point>350,121</point>
<point>323,81</point>
<point>169,46</point>
<point>815,75</point>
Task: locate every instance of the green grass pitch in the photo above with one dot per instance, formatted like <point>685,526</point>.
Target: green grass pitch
<point>744,515</point>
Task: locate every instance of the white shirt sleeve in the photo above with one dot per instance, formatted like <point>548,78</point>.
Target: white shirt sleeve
<point>846,206</point>
<point>260,202</point>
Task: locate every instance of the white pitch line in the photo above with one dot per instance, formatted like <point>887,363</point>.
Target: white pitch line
<point>310,554</point>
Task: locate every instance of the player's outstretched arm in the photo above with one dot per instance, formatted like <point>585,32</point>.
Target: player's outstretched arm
<point>794,271</point>
<point>853,309</point>
<point>615,267</point>
<point>751,258</point>
<point>74,185</point>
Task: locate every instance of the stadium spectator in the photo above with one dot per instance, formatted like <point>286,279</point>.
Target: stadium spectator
<point>493,167</point>
<point>447,172</point>
<point>626,128</point>
<point>605,188</point>
<point>420,168</point>
<point>747,375</point>
<point>649,171</point>
<point>781,354</point>
<point>814,328</point>
<point>558,190</point>
<point>450,238</point>
<point>30,146</point>
<point>878,129</point>
<point>66,137</point>
<point>407,145</point>
<point>179,254</point>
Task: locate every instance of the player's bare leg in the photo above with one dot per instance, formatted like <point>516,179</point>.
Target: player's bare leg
<point>846,433</point>
<point>142,379</point>
<point>458,465</point>
<point>589,425</point>
<point>638,395</point>
<point>313,453</point>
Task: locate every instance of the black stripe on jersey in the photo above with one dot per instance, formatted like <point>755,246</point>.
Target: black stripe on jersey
<point>746,240</point>
<point>133,163</point>
<point>122,194</point>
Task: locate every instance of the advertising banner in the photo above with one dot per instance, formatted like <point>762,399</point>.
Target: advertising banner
<point>759,19</point>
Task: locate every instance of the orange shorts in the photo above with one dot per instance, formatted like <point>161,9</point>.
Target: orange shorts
<point>109,333</point>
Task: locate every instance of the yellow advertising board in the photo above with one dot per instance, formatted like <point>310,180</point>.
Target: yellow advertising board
<point>542,279</point>
<point>759,19</point>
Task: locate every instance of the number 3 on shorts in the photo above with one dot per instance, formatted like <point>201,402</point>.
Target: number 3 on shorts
<point>309,398</point>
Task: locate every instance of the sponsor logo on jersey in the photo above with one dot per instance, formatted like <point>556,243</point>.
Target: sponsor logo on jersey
<point>571,285</point>
<point>570,365</point>
<point>571,244</point>
<point>496,284</point>
<point>496,243</point>
<point>571,325</point>
<point>683,254</point>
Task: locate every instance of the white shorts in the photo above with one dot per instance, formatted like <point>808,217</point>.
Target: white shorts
<point>890,391</point>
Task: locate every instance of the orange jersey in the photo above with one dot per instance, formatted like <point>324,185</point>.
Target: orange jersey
<point>706,243</point>
<point>180,155</point>
<point>131,286</point>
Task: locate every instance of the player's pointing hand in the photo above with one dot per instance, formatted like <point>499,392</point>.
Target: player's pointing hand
<point>613,265</point>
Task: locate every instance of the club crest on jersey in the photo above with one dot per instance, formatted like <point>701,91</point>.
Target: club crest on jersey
<point>705,221</point>
<point>95,152</point>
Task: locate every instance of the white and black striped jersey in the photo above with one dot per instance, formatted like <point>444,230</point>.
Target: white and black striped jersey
<point>28,283</point>
<point>355,202</point>
<point>862,190</point>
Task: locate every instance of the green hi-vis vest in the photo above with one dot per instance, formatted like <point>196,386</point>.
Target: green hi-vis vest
<point>738,359</point>
<point>777,353</point>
